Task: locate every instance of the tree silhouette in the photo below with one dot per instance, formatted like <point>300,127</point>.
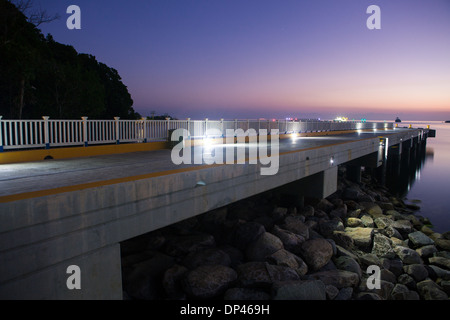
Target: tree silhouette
<point>40,76</point>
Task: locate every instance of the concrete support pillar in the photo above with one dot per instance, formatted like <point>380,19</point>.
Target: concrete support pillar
<point>321,184</point>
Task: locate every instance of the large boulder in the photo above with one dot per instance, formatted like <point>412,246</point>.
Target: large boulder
<point>210,281</point>
<point>407,255</point>
<point>285,258</point>
<point>291,241</point>
<point>338,278</point>
<point>420,239</point>
<point>382,246</point>
<point>265,245</point>
<point>429,290</point>
<point>347,263</point>
<point>295,224</point>
<point>317,253</point>
<point>263,275</point>
<point>362,237</point>
<point>209,256</point>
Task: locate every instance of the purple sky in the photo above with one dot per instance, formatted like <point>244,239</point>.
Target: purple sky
<point>274,59</point>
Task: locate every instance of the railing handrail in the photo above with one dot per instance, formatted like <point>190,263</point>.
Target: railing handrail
<point>46,132</point>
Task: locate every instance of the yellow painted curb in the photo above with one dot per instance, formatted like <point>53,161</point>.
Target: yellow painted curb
<point>77,152</point>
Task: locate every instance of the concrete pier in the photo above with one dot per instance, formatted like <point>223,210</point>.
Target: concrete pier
<point>76,212</point>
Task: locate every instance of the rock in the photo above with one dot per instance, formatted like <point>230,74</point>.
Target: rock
<point>417,271</point>
<point>443,244</point>
<point>327,227</point>
<point>426,251</point>
<point>354,222</point>
<point>395,266</point>
<point>392,233</point>
<point>299,290</point>
<point>362,237</point>
<point>383,222</point>
<point>143,281</point>
<point>401,292</point>
<point>184,244</point>
<point>428,231</point>
<point>407,280</point>
<point>419,239</point>
<point>210,256</point>
<point>296,225</point>
<point>382,246</point>
<point>438,272</point>
<point>340,251</point>
<point>372,209</point>
<point>348,264</point>
<point>388,276</point>
<point>369,259</point>
<point>254,275</point>
<point>246,294</point>
<point>265,245</point>
<point>445,285</point>
<point>446,235</point>
<point>236,255</point>
<point>281,273</point>
<point>342,239</point>
<point>316,253</point>
<point>385,205</point>
<point>429,290</point>
<point>407,255</point>
<point>402,226</point>
<point>443,254</point>
<point>344,294</point>
<point>246,233</point>
<point>285,258</point>
<point>440,262</point>
<point>307,211</point>
<point>331,292</point>
<point>290,240</point>
<point>210,281</point>
<point>278,213</point>
<point>351,193</point>
<point>325,205</point>
<point>367,221</point>
<point>339,213</point>
<point>172,282</point>
<point>337,278</point>
<point>385,289</point>
<point>368,296</point>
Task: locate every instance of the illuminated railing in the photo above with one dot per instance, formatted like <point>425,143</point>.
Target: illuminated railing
<point>47,133</point>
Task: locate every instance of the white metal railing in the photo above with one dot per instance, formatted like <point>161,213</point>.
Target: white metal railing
<point>21,134</point>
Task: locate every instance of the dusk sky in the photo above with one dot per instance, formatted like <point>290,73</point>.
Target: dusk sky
<point>272,59</point>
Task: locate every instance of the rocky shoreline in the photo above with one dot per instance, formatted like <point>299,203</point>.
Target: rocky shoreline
<point>264,248</point>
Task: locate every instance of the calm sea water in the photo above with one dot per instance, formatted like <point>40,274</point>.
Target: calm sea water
<point>429,186</point>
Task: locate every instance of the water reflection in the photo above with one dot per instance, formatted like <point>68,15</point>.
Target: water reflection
<point>404,169</point>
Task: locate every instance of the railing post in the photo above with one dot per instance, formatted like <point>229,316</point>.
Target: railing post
<point>116,119</point>
<point>46,136</point>
<point>206,128</point>
<point>1,134</point>
<point>144,130</point>
<point>222,125</point>
<point>189,127</point>
<point>85,136</point>
<point>168,128</point>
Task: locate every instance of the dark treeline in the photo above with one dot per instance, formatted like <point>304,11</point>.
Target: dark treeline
<point>41,77</point>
